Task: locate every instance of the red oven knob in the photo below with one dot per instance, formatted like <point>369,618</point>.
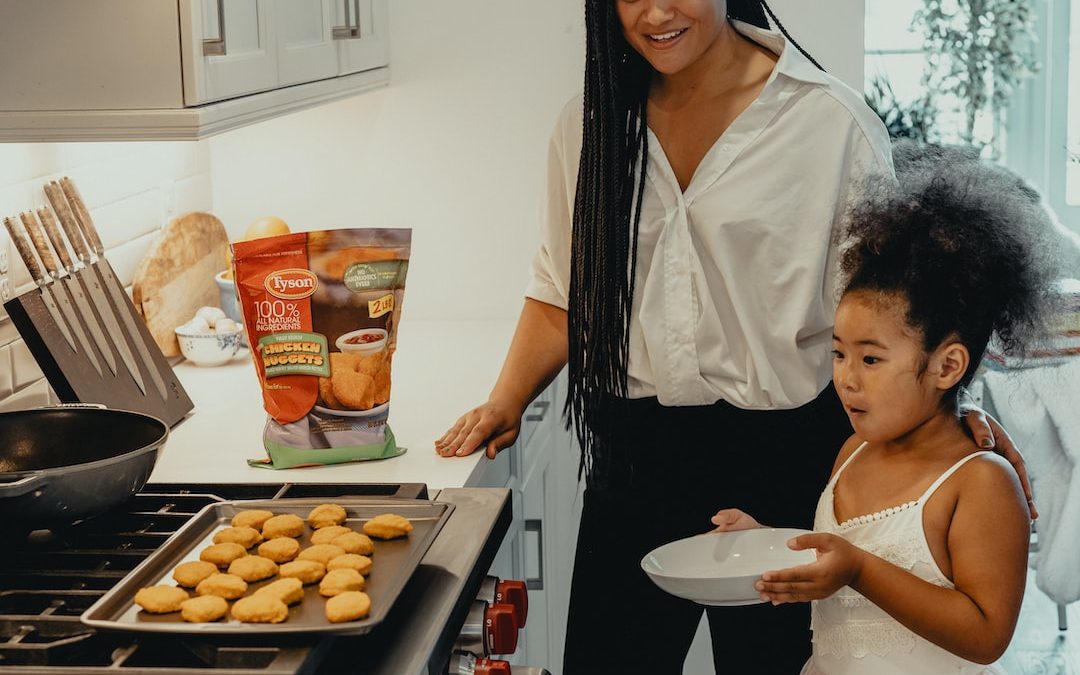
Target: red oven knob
<point>516,594</point>
<point>500,629</point>
<point>491,667</point>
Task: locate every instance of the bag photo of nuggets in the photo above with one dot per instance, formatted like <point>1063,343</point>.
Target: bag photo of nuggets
<point>321,310</point>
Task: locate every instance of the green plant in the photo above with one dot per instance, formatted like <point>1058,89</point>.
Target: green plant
<point>978,50</point>
<point>915,121</point>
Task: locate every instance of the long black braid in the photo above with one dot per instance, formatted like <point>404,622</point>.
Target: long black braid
<point>607,210</point>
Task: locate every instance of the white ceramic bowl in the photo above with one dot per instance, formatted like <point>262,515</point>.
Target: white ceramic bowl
<point>721,568</point>
<point>376,345</point>
<point>209,349</point>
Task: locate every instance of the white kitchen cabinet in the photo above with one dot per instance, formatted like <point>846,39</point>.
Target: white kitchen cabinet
<point>541,469</point>
<point>180,69</point>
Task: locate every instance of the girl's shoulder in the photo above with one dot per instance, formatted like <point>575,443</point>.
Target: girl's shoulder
<point>849,447</point>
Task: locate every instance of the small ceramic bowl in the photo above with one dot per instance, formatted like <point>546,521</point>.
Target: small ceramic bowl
<point>209,349</point>
<point>720,568</point>
<point>227,293</point>
<point>362,341</point>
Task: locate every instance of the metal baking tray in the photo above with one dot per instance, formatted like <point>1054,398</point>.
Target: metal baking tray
<point>394,562</point>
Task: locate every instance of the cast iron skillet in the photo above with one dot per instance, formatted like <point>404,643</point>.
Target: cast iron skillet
<point>62,464</point>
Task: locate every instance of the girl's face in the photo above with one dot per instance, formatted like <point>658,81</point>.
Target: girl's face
<point>888,383</point>
<point>671,34</point>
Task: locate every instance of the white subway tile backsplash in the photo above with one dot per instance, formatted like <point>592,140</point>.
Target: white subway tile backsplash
<point>128,218</point>
<point>34,396</point>
<point>191,194</point>
<point>22,161</point>
<point>24,369</point>
<point>125,258</point>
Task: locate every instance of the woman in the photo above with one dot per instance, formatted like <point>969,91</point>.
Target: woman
<point>717,158</point>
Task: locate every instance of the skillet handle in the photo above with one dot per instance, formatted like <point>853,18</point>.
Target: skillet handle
<point>98,406</point>
<point>21,486</point>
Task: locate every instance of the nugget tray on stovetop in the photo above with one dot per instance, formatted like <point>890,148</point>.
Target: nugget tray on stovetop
<point>394,562</point>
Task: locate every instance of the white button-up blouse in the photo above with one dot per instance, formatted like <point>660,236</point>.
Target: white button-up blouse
<point>736,277</point>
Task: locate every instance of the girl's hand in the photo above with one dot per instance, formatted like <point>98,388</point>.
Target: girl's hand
<point>492,426</point>
<point>838,565</point>
<point>729,520</point>
<point>989,434</point>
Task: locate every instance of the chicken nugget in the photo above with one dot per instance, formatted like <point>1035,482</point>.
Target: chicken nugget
<point>354,542</point>
<point>280,550</point>
<point>325,535</point>
<point>285,525</point>
<point>352,561</point>
<point>321,553</point>
<point>326,515</point>
<point>339,581</point>
<point>203,609</point>
<point>326,393</point>
<point>388,526</point>
<point>255,518</point>
<point>356,391</point>
<point>260,608</point>
<point>244,535</point>
<point>228,586</point>
<point>307,571</point>
<point>253,568</point>
<point>222,555</point>
<point>348,606</point>
<point>189,574</point>
<point>369,364</point>
<point>160,599</point>
<point>289,590</point>
<point>381,382</point>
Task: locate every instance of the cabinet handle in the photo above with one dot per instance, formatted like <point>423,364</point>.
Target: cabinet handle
<point>349,31</point>
<point>536,525</point>
<point>539,416</point>
<point>216,46</point>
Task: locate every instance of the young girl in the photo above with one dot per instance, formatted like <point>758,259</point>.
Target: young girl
<point>921,537</point>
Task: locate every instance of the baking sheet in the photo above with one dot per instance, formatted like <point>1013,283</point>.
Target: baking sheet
<point>393,564</point>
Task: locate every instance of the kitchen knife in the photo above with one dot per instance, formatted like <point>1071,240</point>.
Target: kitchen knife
<point>77,283</point>
<point>66,325</point>
<point>108,278</point>
<point>108,315</point>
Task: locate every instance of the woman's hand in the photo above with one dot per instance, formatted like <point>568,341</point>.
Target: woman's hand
<point>989,434</point>
<point>729,520</point>
<point>838,564</point>
<point>492,425</point>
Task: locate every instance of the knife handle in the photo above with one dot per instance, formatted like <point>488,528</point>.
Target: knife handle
<point>82,215</point>
<point>37,236</point>
<point>25,252</point>
<point>52,231</point>
<point>67,219</point>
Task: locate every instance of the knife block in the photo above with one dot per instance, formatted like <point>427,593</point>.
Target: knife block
<point>75,380</point>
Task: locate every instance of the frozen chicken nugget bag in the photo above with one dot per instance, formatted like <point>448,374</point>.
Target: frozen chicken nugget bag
<point>321,311</point>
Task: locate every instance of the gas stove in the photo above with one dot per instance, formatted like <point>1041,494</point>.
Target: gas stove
<point>48,578</point>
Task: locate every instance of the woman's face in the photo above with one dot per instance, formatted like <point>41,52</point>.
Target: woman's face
<point>671,34</point>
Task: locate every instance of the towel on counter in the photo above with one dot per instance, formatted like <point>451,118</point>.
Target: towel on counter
<point>1040,408</point>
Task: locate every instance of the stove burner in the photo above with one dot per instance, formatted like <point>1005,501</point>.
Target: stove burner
<point>50,577</point>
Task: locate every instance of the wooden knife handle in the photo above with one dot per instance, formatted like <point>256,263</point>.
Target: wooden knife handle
<point>37,236</point>
<point>25,252</point>
<point>67,220</point>
<point>82,215</point>
<point>52,231</point>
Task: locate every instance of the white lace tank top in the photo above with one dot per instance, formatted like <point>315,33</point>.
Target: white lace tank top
<point>853,636</point>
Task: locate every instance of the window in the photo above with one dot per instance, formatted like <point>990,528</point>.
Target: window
<point>1040,138</point>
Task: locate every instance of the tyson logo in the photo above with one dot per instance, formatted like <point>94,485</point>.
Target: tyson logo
<point>291,284</point>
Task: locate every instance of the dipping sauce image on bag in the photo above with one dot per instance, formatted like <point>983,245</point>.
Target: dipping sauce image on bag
<point>321,311</point>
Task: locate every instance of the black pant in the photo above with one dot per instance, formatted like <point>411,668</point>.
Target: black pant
<point>675,468</point>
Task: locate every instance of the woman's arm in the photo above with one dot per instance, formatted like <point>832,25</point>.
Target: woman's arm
<point>987,544</point>
<point>537,354</point>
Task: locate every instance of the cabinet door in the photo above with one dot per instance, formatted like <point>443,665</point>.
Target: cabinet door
<point>305,49</point>
<point>228,49</point>
<point>362,34</point>
<point>536,566</point>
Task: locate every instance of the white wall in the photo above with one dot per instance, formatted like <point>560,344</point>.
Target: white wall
<point>454,147</point>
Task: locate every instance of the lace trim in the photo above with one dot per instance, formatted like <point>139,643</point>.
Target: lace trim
<point>873,517</point>
<point>859,640</point>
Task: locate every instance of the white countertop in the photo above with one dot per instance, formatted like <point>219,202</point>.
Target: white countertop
<point>441,369</point>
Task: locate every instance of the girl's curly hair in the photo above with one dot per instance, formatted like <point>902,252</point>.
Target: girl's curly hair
<point>963,240</point>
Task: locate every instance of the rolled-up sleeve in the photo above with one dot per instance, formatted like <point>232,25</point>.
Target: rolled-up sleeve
<point>550,279</point>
